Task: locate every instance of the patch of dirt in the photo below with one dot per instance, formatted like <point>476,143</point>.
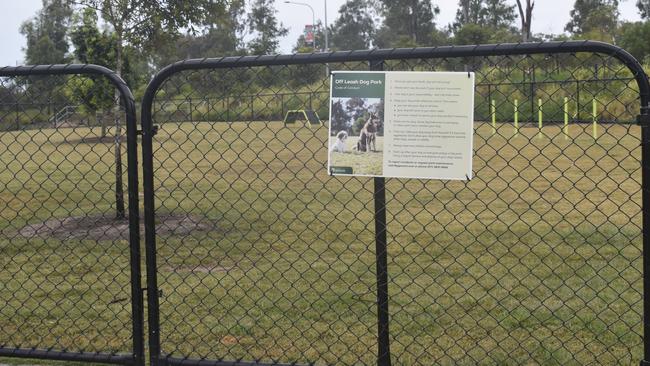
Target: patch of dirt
<point>229,340</point>
<point>109,228</point>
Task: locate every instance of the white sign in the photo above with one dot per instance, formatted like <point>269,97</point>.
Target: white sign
<point>401,124</point>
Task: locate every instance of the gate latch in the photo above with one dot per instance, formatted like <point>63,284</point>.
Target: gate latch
<point>154,131</point>
<point>643,119</point>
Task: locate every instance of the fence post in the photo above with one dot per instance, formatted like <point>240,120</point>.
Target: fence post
<point>532,93</point>
<point>644,120</point>
<point>282,106</point>
<point>17,116</point>
<point>191,116</point>
<point>381,253</point>
<point>577,119</point>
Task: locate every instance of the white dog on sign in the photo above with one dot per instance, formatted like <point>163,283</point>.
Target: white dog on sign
<point>339,145</point>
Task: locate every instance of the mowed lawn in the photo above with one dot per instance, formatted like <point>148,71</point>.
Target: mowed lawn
<point>537,260</point>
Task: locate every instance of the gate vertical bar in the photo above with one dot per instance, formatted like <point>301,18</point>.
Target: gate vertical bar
<point>644,120</point>
<point>381,253</point>
<point>153,315</point>
<point>137,302</point>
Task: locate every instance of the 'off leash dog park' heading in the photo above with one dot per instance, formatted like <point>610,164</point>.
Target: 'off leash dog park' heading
<point>401,124</point>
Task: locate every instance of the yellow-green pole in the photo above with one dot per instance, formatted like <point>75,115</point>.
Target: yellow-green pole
<point>493,110</point>
<point>539,117</point>
<point>594,113</point>
<point>566,118</point>
<point>516,116</point>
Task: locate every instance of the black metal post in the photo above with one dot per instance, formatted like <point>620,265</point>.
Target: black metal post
<point>577,119</point>
<point>381,253</point>
<point>281,106</point>
<point>533,109</point>
<point>644,120</point>
<point>153,311</point>
<point>137,297</point>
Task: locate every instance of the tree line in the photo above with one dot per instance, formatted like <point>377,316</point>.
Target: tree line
<point>137,37</point>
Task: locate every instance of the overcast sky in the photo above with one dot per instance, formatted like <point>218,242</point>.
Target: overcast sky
<point>549,16</point>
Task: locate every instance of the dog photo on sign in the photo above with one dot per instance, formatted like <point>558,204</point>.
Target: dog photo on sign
<point>356,135</point>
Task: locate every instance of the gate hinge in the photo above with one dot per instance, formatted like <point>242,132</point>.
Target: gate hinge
<point>643,119</point>
<point>154,131</point>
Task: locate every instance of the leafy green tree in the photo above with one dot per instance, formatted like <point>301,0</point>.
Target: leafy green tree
<point>634,39</point>
<point>355,107</point>
<point>339,119</point>
<point>487,13</point>
<point>226,27</point>
<point>47,33</point>
<point>469,12</point>
<point>644,8</point>
<point>589,16</point>
<point>354,27</point>
<point>267,30</point>
<point>498,14</point>
<point>222,34</point>
<point>140,24</point>
<point>472,34</point>
<point>480,21</point>
<point>144,24</point>
<point>93,47</point>
<point>358,124</point>
<point>406,23</point>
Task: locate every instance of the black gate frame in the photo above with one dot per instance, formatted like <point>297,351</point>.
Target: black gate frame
<point>136,358</point>
<point>375,59</point>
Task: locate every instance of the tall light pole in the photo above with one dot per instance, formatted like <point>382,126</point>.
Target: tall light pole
<point>313,21</point>
<point>327,43</point>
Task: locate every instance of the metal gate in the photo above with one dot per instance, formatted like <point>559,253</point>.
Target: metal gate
<point>259,257</point>
<point>70,264</point>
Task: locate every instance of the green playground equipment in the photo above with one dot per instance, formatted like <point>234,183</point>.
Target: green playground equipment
<point>308,116</point>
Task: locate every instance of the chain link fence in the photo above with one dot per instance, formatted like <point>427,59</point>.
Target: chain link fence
<point>256,256</point>
<point>259,255</point>
<point>70,267</point>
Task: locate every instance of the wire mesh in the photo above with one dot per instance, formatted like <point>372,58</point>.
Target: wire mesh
<point>65,272</point>
<point>263,256</point>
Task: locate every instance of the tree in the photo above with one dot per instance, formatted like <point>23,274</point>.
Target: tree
<point>472,34</point>
<point>47,33</point>
<point>494,14</point>
<point>644,8</point>
<point>526,17</point>
<point>263,23</point>
<point>591,15</point>
<point>339,119</point>
<point>406,23</point>
<point>93,47</point>
<point>498,14</point>
<point>469,12</point>
<point>354,27</point>
<point>634,39</point>
<point>140,24</point>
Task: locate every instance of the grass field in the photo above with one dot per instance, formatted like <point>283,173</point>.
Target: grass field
<point>537,260</point>
<point>362,163</point>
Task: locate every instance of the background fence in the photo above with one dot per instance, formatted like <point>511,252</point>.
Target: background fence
<point>70,264</point>
<point>538,259</point>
